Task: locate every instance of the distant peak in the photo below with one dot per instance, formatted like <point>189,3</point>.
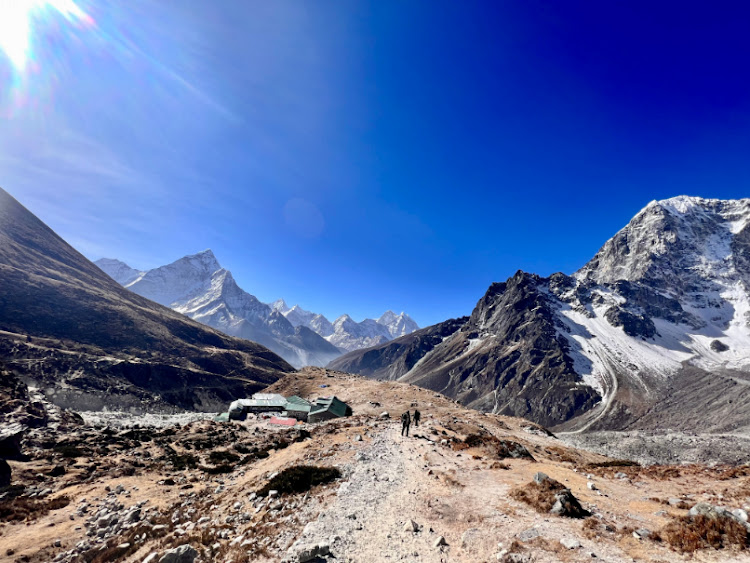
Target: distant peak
<point>204,260</point>
<point>112,261</point>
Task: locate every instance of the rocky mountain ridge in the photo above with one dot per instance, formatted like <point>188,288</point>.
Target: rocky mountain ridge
<point>660,312</point>
<point>71,330</point>
<point>198,287</point>
<point>345,332</point>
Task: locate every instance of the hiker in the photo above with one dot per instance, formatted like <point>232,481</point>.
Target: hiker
<point>417,416</point>
<point>405,423</point>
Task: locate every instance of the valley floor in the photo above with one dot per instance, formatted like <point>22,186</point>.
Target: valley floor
<point>131,491</point>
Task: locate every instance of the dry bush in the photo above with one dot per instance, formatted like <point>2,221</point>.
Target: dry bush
<point>499,465</point>
<point>25,508</point>
<point>691,533</point>
<point>540,496</point>
<point>299,479</point>
<point>563,455</point>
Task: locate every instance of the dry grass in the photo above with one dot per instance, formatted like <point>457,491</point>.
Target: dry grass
<point>540,496</point>
<point>24,508</point>
<point>691,533</point>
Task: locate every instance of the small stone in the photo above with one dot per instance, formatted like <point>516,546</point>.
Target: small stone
<point>439,542</point>
<point>592,486</point>
<point>528,534</point>
<point>411,526</point>
<point>641,533</point>
<point>570,543</point>
<point>540,477</point>
<point>183,554</point>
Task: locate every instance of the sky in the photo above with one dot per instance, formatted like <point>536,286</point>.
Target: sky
<point>356,156</point>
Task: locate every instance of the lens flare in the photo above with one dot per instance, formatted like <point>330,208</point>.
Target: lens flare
<point>16,24</point>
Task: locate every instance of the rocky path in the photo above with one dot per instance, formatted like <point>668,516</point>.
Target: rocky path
<point>373,508</point>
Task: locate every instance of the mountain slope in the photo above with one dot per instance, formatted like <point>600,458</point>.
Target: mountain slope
<point>660,312</point>
<point>198,287</point>
<point>72,329</point>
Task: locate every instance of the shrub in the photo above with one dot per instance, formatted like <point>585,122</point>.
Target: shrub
<point>299,479</point>
<point>691,533</point>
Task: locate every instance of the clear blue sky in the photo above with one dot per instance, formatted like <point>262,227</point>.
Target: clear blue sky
<point>360,156</point>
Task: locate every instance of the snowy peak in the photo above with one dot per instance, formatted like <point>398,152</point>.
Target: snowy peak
<point>279,305</point>
<point>682,244</point>
<point>397,325</point>
<point>298,316</point>
<point>118,270</point>
<point>179,281</point>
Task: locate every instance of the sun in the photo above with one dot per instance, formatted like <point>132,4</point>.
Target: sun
<point>17,18</point>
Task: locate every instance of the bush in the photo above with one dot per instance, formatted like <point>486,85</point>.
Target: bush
<point>540,496</point>
<point>690,533</point>
<point>299,479</point>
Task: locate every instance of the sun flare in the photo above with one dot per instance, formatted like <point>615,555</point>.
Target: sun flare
<point>17,18</point>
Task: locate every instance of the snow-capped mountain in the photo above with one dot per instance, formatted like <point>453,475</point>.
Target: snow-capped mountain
<point>397,325</point>
<point>350,335</point>
<point>346,333</point>
<point>119,271</point>
<point>651,329</point>
<point>198,287</point>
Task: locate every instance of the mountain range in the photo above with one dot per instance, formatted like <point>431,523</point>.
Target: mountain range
<point>198,287</point>
<point>651,330</point>
<point>74,332</point>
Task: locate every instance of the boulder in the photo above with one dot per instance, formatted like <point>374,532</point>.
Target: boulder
<point>309,552</point>
<point>10,441</point>
<point>567,505</point>
<point>570,543</point>
<point>5,473</point>
<point>183,554</point>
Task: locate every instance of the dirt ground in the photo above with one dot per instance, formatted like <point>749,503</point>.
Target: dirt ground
<point>139,491</point>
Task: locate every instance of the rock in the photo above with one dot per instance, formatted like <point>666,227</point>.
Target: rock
<point>592,486</point>
<point>57,471</point>
<point>621,475</point>
<point>5,473</point>
<point>385,414</point>
<point>439,542</point>
<point>10,441</point>
<point>540,477</point>
<point>509,448</point>
<point>529,534</point>
<point>304,553</point>
<point>151,558</point>
<point>411,526</point>
<point>567,505</point>
<point>740,514</point>
<point>642,533</point>
<point>58,543</point>
<point>183,554</point>
<point>570,543</point>
<point>719,346</point>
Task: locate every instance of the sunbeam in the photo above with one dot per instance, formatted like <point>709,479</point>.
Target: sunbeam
<point>17,21</point>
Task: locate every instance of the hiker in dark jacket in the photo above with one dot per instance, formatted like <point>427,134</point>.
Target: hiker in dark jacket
<point>417,416</point>
<point>405,423</point>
